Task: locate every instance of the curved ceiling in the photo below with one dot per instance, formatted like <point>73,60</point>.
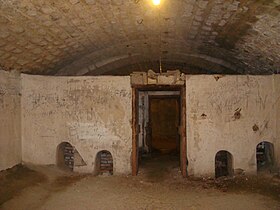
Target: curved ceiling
<point>93,37</point>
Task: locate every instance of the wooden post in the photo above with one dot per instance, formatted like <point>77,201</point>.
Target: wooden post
<point>183,133</point>
<point>134,158</point>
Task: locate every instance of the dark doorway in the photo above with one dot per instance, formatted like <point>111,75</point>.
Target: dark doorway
<point>65,156</point>
<point>223,164</point>
<point>104,163</point>
<point>159,142</point>
<point>265,156</point>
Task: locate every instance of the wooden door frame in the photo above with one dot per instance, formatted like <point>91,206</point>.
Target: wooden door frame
<point>135,127</point>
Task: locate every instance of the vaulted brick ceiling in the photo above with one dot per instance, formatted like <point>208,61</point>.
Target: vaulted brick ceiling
<point>91,37</point>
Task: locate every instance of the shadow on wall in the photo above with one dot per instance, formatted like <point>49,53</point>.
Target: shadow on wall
<point>67,157</point>
<point>104,163</point>
<point>265,157</point>
<point>223,164</point>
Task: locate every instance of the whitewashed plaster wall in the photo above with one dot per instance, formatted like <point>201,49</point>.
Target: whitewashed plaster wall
<point>10,135</point>
<point>211,126</point>
<point>94,113</point>
<point>91,113</point>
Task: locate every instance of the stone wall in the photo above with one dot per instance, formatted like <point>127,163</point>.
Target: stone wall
<point>221,114</point>
<point>91,113</point>
<point>10,130</point>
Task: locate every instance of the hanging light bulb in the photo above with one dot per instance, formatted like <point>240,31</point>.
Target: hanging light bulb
<point>156,2</point>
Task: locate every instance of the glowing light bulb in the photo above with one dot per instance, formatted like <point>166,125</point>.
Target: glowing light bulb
<point>156,2</point>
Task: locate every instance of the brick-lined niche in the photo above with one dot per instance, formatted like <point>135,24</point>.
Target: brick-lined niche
<point>65,156</point>
<point>104,163</point>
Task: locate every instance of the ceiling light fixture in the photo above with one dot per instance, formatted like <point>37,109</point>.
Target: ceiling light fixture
<point>156,2</point>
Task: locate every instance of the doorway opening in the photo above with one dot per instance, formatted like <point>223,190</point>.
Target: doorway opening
<point>104,163</point>
<point>223,164</point>
<point>265,156</point>
<point>159,132</point>
<point>65,156</point>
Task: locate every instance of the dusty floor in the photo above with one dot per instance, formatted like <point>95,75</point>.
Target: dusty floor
<point>158,186</point>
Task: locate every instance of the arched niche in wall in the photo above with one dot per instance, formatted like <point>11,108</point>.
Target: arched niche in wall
<point>104,163</point>
<point>265,156</point>
<point>223,164</point>
<point>65,156</point>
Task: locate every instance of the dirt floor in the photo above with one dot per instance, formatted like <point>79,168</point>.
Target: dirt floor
<point>159,185</point>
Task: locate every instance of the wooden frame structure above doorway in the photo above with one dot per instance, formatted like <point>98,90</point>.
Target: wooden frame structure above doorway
<point>182,128</point>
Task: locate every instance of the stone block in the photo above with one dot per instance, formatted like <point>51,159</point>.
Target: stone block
<point>138,78</point>
<point>166,80</point>
<point>152,81</point>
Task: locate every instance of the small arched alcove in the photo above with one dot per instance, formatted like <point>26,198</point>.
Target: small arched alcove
<point>104,163</point>
<point>223,164</point>
<point>265,156</point>
<point>65,156</point>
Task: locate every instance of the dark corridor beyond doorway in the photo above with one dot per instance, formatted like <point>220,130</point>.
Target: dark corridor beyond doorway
<point>164,120</point>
